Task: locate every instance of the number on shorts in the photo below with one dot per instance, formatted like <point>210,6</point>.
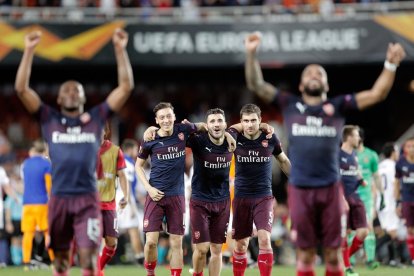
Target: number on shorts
<point>116,225</point>
<point>93,230</point>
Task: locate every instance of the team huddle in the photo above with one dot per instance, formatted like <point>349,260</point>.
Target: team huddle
<point>323,175</point>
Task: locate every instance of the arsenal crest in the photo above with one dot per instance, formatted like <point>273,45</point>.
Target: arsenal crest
<point>146,222</point>
<point>85,118</point>
<point>328,109</point>
<point>265,143</point>
<point>197,235</point>
<point>181,136</point>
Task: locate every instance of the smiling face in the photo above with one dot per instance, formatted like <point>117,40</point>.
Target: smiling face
<point>165,118</point>
<point>71,97</point>
<point>314,81</point>
<point>216,125</point>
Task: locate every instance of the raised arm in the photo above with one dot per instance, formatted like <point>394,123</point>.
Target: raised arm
<point>26,94</point>
<point>120,94</point>
<point>253,72</point>
<point>382,86</point>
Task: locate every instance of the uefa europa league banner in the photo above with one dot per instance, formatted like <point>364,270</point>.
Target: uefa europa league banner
<point>326,42</point>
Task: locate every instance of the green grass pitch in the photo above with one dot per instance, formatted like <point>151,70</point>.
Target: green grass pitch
<point>129,270</point>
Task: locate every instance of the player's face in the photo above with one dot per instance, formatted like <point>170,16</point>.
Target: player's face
<point>409,148</point>
<point>250,123</point>
<point>71,96</point>
<point>216,125</point>
<point>165,118</point>
<point>354,139</point>
<point>314,81</point>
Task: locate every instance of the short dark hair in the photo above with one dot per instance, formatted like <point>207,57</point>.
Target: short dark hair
<point>39,145</point>
<point>250,109</point>
<point>214,111</point>
<point>347,131</point>
<point>129,144</point>
<point>162,105</point>
<point>388,149</point>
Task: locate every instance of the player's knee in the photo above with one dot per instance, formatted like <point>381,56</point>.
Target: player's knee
<point>241,247</point>
<point>264,242</point>
<point>112,243</point>
<point>60,265</point>
<point>306,257</point>
<point>176,241</point>
<point>202,249</point>
<point>362,233</point>
<point>151,244</point>
<point>215,250</point>
<point>332,257</point>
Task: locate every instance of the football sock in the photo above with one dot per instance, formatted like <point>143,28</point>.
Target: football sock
<point>265,262</point>
<point>239,263</point>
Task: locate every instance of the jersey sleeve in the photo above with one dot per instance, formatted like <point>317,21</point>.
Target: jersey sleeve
<point>345,103</point>
<point>120,163</point>
<point>282,99</point>
<point>233,132</point>
<point>193,141</point>
<point>188,129</point>
<point>144,151</point>
<point>43,114</point>
<point>101,111</point>
<point>278,146</point>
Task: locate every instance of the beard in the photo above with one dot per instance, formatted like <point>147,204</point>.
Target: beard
<point>70,109</point>
<point>314,92</point>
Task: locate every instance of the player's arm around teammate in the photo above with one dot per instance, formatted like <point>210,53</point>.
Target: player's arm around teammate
<point>253,201</point>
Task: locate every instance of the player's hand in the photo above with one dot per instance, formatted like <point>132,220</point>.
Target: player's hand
<point>185,121</point>
<point>362,182</point>
<point>252,41</point>
<point>155,194</point>
<point>149,134</point>
<point>32,39</point>
<point>395,53</point>
<point>120,38</point>
<point>268,129</point>
<point>382,202</point>
<point>345,204</point>
<point>122,203</point>
<point>231,142</point>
